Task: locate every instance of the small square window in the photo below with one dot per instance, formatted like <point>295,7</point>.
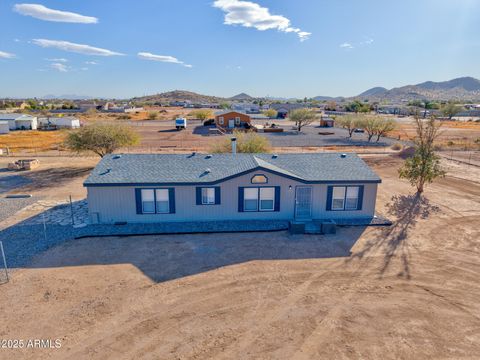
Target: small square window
<point>220,120</point>
<point>208,196</point>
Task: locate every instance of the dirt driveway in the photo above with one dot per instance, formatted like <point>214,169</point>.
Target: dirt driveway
<point>410,291</point>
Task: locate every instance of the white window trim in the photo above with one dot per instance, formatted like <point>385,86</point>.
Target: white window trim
<point>260,199</point>
<point>221,120</point>
<point>168,202</point>
<point>344,207</point>
<point>259,208</point>
<point>155,211</point>
<point>206,190</point>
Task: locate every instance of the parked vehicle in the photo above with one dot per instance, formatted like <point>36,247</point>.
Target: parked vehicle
<point>358,131</point>
<point>24,165</point>
<point>181,123</point>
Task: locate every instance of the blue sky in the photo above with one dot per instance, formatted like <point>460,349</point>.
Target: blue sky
<point>288,48</point>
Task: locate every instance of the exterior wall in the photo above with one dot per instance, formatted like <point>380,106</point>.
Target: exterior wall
<point>4,127</point>
<point>117,203</point>
<point>27,124</point>
<point>244,118</point>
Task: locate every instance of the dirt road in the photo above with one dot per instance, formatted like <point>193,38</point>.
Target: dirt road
<point>404,292</point>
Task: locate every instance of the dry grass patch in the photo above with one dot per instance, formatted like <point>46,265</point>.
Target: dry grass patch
<point>33,140</point>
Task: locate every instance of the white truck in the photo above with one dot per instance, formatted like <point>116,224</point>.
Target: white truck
<point>180,123</point>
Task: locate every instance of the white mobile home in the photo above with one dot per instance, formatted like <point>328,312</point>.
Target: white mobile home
<point>19,121</point>
<point>4,127</point>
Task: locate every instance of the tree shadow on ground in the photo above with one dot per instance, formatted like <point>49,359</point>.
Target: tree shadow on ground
<point>393,240</point>
<point>53,177</point>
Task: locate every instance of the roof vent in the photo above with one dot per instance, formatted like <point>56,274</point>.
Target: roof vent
<point>343,155</point>
<point>208,171</point>
<point>117,156</point>
<point>208,156</point>
<point>194,153</point>
<point>274,156</point>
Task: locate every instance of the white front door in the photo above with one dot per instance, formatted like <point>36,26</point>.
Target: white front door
<point>231,123</point>
<point>303,202</point>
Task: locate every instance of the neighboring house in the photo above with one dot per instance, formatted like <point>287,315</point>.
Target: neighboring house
<point>246,107</point>
<point>19,121</point>
<point>64,122</point>
<point>148,188</point>
<point>284,109</point>
<point>232,119</point>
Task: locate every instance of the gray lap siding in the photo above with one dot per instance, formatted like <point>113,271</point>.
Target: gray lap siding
<point>118,203</point>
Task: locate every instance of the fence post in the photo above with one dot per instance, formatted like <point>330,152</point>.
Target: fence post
<point>4,261</point>
<point>71,210</point>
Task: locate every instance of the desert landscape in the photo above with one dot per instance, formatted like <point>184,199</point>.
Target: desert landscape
<point>405,291</point>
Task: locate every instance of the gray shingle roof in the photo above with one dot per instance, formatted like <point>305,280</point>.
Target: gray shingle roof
<point>132,169</point>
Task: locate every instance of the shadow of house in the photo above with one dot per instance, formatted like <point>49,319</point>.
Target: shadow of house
<point>166,257</point>
<point>45,178</point>
<point>393,240</point>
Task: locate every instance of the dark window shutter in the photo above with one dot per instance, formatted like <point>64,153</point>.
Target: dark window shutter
<point>329,197</point>
<point>277,199</point>
<point>218,199</point>
<point>240,199</point>
<point>360,197</point>
<point>138,200</point>
<point>199,195</point>
<point>171,200</point>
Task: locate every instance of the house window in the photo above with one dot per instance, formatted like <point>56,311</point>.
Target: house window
<point>351,200</point>
<point>220,120</point>
<point>148,201</point>
<point>267,198</point>
<point>345,197</point>
<point>259,199</point>
<point>259,179</point>
<point>162,201</point>
<point>208,196</point>
<point>155,201</point>
<point>237,121</point>
<point>250,199</point>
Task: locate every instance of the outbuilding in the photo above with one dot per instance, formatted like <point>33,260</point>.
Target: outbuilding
<point>4,127</point>
<point>232,120</point>
<point>19,121</point>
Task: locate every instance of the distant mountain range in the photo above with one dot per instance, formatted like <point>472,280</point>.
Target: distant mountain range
<point>464,88</point>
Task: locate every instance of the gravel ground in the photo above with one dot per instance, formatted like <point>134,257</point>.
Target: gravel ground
<point>9,207</point>
<point>310,137</point>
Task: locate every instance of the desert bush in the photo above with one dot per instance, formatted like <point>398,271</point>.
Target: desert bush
<point>124,117</point>
<point>302,117</point>
<point>247,142</point>
<point>202,114</point>
<point>397,147</point>
<point>101,138</point>
<point>152,115</point>
<point>271,113</point>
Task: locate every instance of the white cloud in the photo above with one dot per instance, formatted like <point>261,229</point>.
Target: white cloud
<point>369,41</point>
<point>16,40</point>
<point>6,55</point>
<point>346,46</point>
<point>84,68</point>
<point>161,58</point>
<point>61,60</point>
<point>43,13</point>
<point>91,63</point>
<point>59,67</point>
<point>76,48</point>
<point>250,14</point>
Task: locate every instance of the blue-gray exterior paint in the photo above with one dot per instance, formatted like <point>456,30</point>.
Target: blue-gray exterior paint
<point>117,203</point>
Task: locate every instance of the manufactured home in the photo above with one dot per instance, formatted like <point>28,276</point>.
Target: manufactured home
<point>148,188</point>
<point>232,120</point>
